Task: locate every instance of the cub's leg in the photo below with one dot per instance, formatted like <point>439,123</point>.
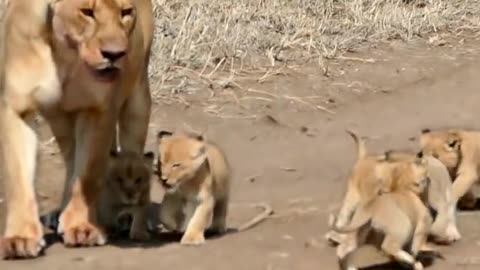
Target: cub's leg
<point>419,241</point>
<point>194,234</point>
<point>78,221</point>
<point>171,212</point>
<point>464,181</point>
<point>392,247</point>
<point>219,223</point>
<point>23,236</point>
<point>139,229</point>
<point>134,118</point>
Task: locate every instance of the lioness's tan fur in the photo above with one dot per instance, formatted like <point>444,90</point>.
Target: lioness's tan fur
<point>196,176</point>
<point>83,65</point>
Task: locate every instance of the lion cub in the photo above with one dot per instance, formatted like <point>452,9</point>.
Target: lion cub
<point>399,215</point>
<point>196,176</point>
<point>126,191</point>
<point>459,150</point>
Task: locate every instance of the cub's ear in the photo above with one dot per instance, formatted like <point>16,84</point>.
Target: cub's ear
<point>453,141</point>
<point>113,153</point>
<point>163,133</point>
<point>149,155</point>
<point>149,158</point>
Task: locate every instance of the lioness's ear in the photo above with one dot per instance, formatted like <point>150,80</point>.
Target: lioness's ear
<point>163,133</point>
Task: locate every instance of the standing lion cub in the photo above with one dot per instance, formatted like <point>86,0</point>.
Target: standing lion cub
<point>126,191</point>
<point>196,176</point>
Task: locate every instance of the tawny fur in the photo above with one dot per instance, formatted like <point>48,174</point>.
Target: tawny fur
<point>196,176</point>
<point>459,151</point>
<point>127,192</point>
<point>438,196</point>
<point>364,184</point>
<point>400,216</point>
<point>83,65</point>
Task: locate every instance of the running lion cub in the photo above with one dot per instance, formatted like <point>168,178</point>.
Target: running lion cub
<point>399,215</point>
<point>126,191</point>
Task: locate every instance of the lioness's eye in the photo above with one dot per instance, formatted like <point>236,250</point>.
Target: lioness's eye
<point>87,12</point>
<point>127,12</point>
<point>176,165</point>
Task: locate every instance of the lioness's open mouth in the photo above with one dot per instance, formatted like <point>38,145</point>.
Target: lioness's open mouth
<point>107,74</point>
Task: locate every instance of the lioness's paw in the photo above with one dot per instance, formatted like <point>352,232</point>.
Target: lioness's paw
<point>25,242</point>
<point>193,239</point>
<point>77,230</point>
<point>139,235</point>
<point>453,233</point>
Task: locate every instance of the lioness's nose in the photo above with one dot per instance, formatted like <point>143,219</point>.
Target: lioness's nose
<point>113,55</point>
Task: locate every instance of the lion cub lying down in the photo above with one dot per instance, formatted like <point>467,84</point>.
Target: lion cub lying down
<point>399,216</point>
<point>196,176</point>
<point>126,191</point>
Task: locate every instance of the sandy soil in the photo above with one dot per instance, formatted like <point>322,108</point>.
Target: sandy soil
<point>299,162</point>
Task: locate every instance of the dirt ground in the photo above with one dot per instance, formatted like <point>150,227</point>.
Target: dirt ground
<point>287,145</point>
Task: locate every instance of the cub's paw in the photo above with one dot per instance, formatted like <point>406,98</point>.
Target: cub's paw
<point>193,239</point>
<point>418,266</point>
<point>139,235</point>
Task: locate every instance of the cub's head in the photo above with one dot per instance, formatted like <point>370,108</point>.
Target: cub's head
<point>443,145</point>
<point>180,155</point>
<point>129,175</point>
<point>97,31</point>
<point>409,172</point>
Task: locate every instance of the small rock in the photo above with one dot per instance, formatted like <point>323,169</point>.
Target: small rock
<point>312,243</point>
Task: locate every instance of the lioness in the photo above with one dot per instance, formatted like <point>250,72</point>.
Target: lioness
<point>400,216</point>
<point>127,192</point>
<point>196,176</point>
<point>459,150</point>
<point>83,65</point>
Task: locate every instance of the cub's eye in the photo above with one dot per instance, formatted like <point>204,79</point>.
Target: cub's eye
<point>138,180</point>
<point>127,12</point>
<point>176,165</point>
<point>87,12</point>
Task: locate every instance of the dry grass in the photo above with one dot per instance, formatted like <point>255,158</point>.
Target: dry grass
<point>210,35</point>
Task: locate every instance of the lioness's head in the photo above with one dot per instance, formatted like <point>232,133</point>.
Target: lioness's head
<point>181,156</point>
<point>98,30</point>
<point>443,145</point>
<point>129,175</point>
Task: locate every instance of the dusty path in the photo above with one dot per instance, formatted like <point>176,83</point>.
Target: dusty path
<point>300,172</point>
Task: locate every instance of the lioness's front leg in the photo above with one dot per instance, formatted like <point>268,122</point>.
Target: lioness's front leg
<point>134,117</point>
<point>93,135</point>
<point>23,236</point>
<point>194,234</point>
